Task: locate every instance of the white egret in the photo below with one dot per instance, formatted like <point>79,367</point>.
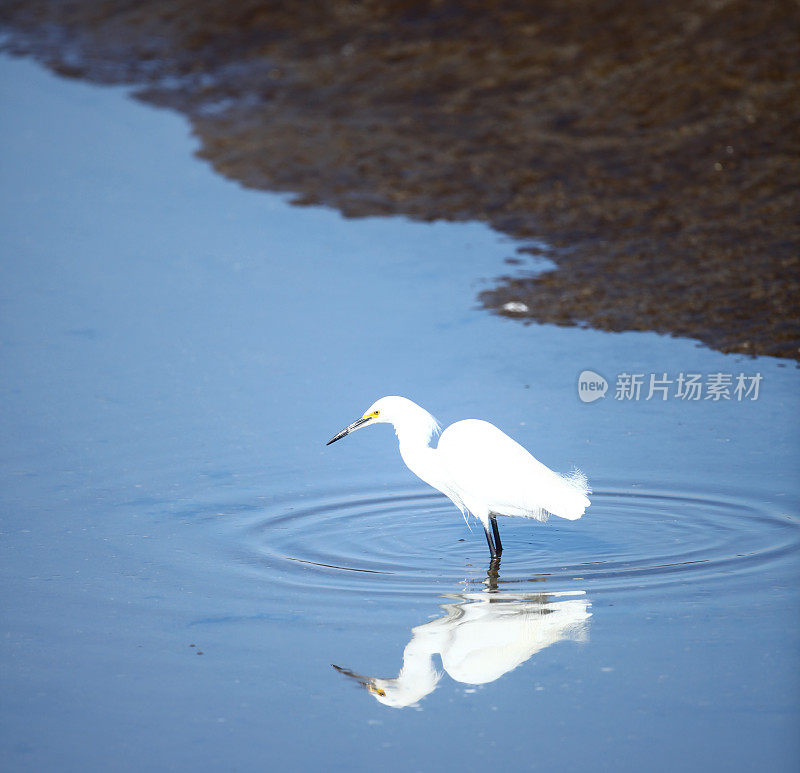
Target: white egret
<point>481,469</point>
<point>479,640</point>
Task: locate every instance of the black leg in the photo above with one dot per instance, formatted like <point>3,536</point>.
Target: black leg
<point>496,535</point>
<point>491,544</point>
<point>493,574</point>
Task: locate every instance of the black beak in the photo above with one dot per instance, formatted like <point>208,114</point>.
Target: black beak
<point>348,672</point>
<point>347,430</point>
<point>364,681</point>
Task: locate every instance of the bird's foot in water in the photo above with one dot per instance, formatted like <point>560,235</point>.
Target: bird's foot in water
<point>493,574</point>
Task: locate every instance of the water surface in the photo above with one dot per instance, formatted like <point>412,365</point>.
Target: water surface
<point>184,560</point>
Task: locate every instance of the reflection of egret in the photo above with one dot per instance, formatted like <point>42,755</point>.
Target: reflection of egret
<point>480,638</point>
<point>480,468</point>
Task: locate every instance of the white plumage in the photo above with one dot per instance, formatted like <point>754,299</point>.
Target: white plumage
<point>479,640</point>
<point>481,469</point>
<point>498,475</point>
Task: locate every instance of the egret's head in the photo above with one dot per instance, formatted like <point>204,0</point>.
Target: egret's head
<point>388,410</point>
<point>375,414</point>
<point>400,692</point>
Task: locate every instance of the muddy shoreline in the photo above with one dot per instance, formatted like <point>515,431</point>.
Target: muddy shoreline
<point>655,148</point>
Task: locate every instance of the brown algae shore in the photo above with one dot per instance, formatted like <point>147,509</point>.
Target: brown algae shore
<point>654,146</point>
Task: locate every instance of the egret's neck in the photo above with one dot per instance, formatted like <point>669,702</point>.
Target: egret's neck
<point>415,436</point>
<point>418,676</point>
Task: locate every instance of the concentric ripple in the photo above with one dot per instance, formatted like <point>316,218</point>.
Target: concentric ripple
<point>407,541</point>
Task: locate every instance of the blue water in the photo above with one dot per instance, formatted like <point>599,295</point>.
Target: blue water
<point>183,560</point>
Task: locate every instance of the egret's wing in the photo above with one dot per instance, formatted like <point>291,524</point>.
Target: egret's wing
<point>509,633</point>
<point>491,469</point>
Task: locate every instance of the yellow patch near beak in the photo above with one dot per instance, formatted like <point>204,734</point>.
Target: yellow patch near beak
<point>372,415</point>
<point>376,690</point>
